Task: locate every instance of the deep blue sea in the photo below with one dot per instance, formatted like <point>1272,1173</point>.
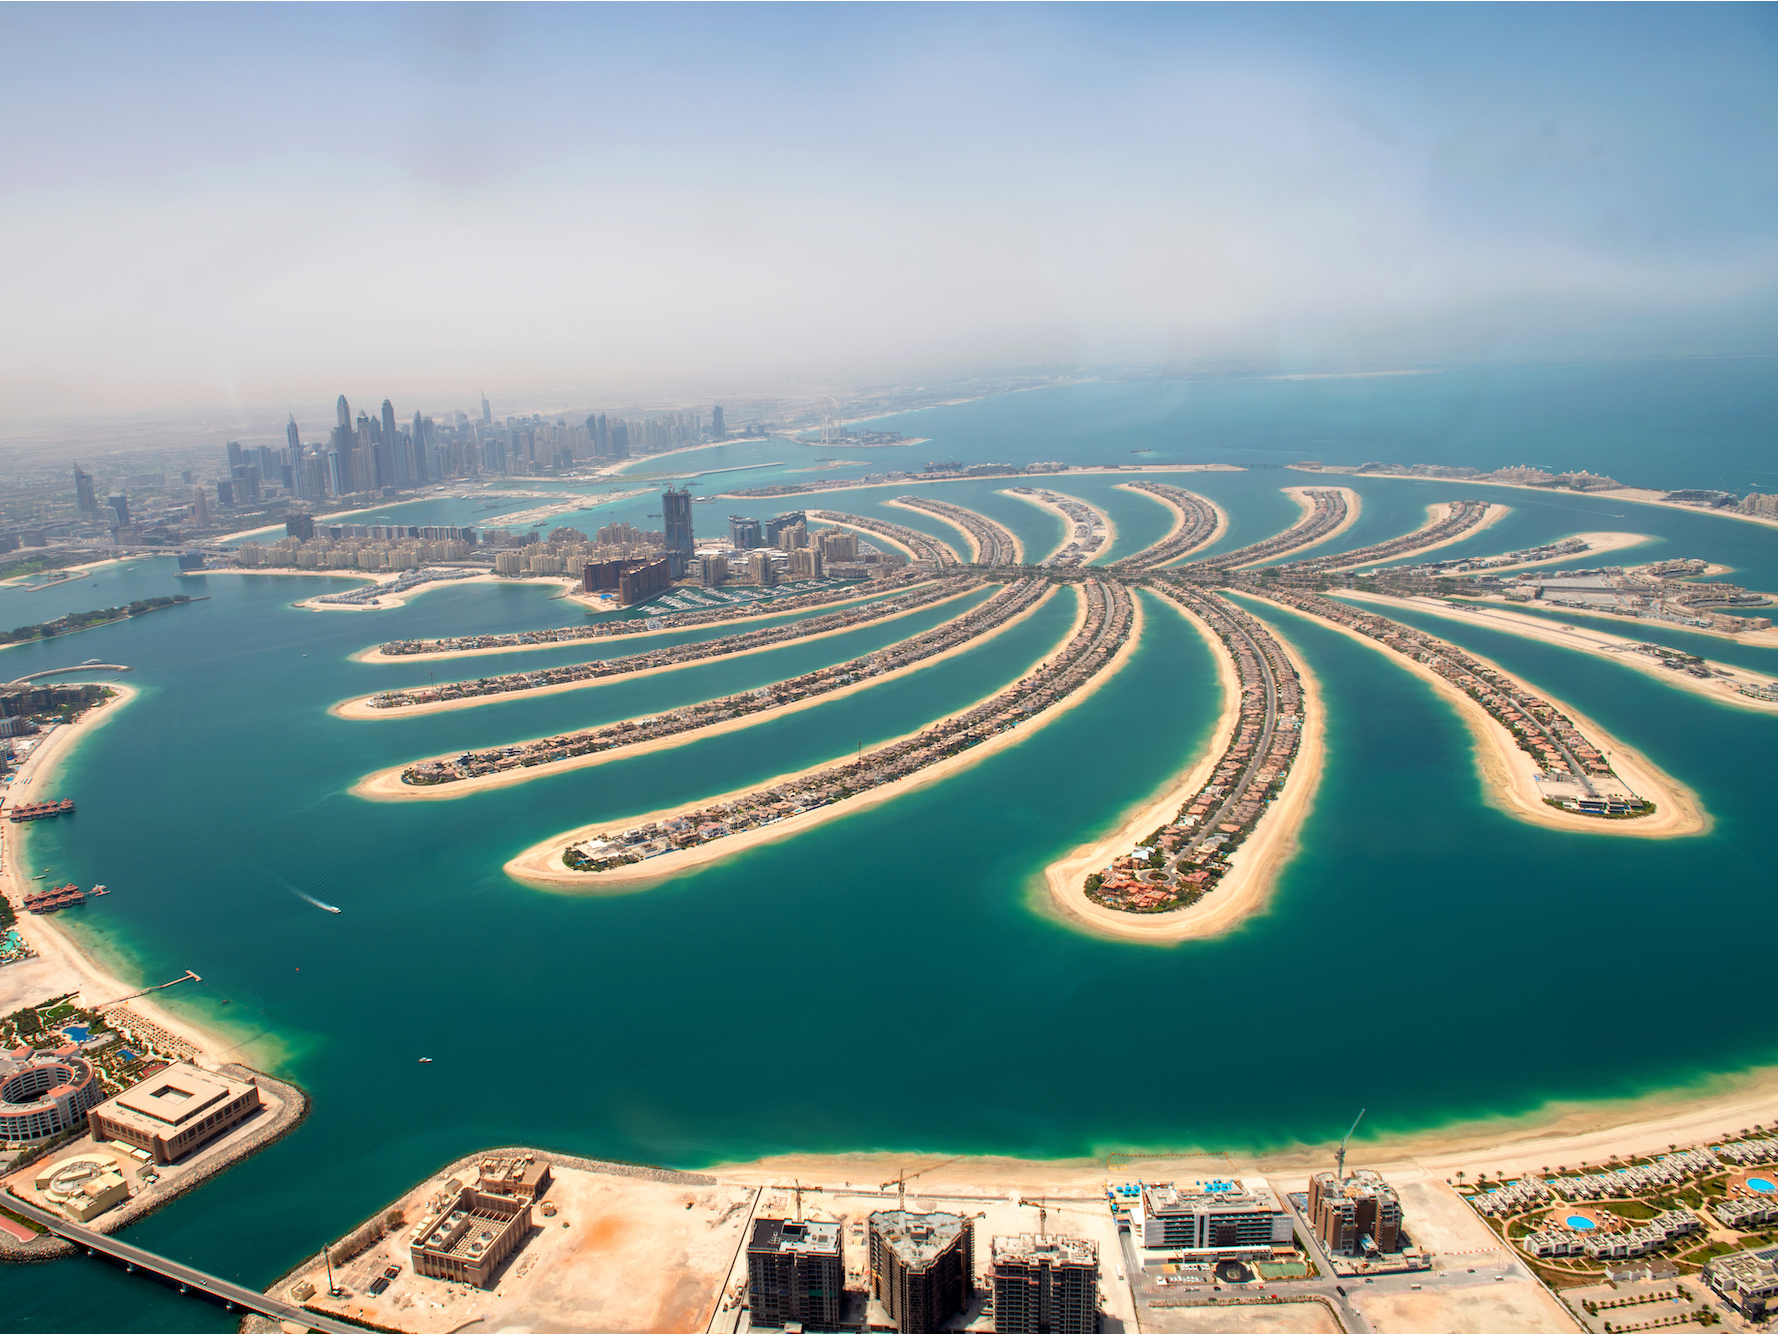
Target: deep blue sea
<point>903,953</point>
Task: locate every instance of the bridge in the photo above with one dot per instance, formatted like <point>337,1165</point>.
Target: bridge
<point>68,671</point>
<point>190,1280</point>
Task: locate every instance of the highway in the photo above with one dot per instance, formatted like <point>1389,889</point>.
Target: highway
<point>190,1280</point>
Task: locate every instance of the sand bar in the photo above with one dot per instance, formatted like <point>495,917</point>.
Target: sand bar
<point>1246,888</point>
<point>64,964</point>
<point>1722,685</point>
<point>542,867</point>
<point>865,594</point>
<point>1435,513</point>
<point>1509,774</point>
<point>386,784</point>
<point>360,708</point>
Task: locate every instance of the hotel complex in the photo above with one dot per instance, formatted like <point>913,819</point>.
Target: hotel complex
<point>169,1114</point>
<point>1227,1219</point>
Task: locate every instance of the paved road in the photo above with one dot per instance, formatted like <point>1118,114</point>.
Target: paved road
<point>189,1279</point>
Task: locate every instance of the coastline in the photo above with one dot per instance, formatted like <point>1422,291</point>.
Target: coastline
<point>866,594</point>
<point>541,865</point>
<point>1300,494</point>
<point>1494,515</point>
<point>975,547</point>
<point>1598,544</point>
<point>1217,529</point>
<point>70,964</point>
<point>1752,638</point>
<point>1632,495</point>
<point>1020,477</point>
<point>1612,647</point>
<point>385,600</point>
<point>1507,773</point>
<point>867,535</point>
<point>386,784</point>
<point>1247,889</point>
<point>357,708</point>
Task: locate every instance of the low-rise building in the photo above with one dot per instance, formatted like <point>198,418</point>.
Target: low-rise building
<point>1747,1280</point>
<point>467,1242</point>
<point>796,1271</point>
<point>1229,1219</point>
<point>84,1185</point>
<point>1045,1284</point>
<point>175,1111</point>
<point>523,1177</point>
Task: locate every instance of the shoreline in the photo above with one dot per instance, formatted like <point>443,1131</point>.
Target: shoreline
<point>1751,638</point>
<point>1494,515</point>
<point>1613,647</point>
<point>1300,494</point>
<point>1506,772</point>
<point>1631,495</point>
<point>540,865</point>
<point>1021,478</point>
<point>1566,1131</point>
<point>1042,504</point>
<point>866,594</point>
<point>975,546</point>
<point>386,784</point>
<point>865,534</point>
<point>1217,529</point>
<point>73,965</point>
<point>358,710</point>
<point>1598,544</point>
<point>1246,891</point>
<point>385,600</point>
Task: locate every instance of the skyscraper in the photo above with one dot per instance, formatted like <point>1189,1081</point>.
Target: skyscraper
<point>397,474</point>
<point>345,413</point>
<point>120,506</point>
<point>676,510</point>
<point>420,469</point>
<point>201,503</point>
<point>717,429</point>
<point>487,412</point>
<point>83,492</point>
<point>776,526</point>
<point>293,438</point>
<point>235,457</point>
<point>743,533</point>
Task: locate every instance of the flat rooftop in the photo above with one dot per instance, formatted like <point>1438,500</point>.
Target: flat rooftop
<point>916,1239</point>
<point>784,1234</point>
<point>178,1096</point>
<point>1208,1193</point>
<point>1038,1246</point>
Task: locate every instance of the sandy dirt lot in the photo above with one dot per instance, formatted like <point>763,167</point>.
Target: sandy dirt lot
<point>1294,1318</point>
<point>620,1254</point>
<point>1496,1308</point>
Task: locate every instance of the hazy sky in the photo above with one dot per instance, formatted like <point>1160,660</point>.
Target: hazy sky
<point>213,205</point>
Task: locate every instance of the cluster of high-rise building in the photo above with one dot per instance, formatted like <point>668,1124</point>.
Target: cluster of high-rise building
<point>922,1273</point>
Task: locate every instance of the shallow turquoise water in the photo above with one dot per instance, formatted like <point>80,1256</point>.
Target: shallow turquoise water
<point>619,1026</point>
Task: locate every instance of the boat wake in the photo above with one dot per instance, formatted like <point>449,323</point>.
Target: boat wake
<point>310,898</point>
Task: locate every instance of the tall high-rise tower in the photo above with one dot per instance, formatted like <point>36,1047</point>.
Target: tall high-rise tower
<point>487,412</point>
<point>397,475</point>
<point>345,413</point>
<point>293,438</point>
<point>1045,1285</point>
<point>83,492</point>
<point>422,466</point>
<point>676,510</point>
<point>717,428</point>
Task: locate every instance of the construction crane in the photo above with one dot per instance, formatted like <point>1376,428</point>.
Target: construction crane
<point>901,1181</point>
<point>1043,1214</point>
<point>1340,1157</point>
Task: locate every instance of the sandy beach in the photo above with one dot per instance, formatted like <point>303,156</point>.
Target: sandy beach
<point>384,600</point>
<point>975,547</point>
<point>1598,544</point>
<point>360,708</point>
<point>1217,529</point>
<point>63,965</point>
<point>1508,773</point>
<point>866,593</point>
<point>386,784</point>
<point>1068,523</point>
<point>1755,638</point>
<point>1628,494</point>
<point>1435,513</point>
<point>1301,495</point>
<point>542,867</point>
<point>1721,688</point>
<point>1246,889</point>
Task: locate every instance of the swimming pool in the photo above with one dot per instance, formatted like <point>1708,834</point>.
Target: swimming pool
<point>1760,1184</point>
<point>1580,1224</point>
